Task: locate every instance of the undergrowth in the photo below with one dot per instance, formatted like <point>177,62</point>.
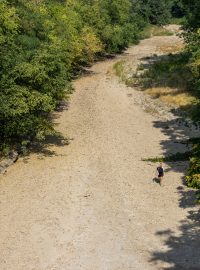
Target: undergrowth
<point>178,21</point>
<point>166,71</point>
<point>155,30</point>
<point>193,177</point>
<point>119,69</point>
<point>168,77</point>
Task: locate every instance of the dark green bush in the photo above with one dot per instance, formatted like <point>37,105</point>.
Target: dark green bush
<point>193,178</point>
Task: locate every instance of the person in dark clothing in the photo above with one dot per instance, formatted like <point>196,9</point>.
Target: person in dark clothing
<point>160,171</point>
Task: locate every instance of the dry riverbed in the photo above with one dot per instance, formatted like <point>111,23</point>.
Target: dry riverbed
<point>92,204</point>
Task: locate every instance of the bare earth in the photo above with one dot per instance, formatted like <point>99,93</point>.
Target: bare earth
<point>92,205</point>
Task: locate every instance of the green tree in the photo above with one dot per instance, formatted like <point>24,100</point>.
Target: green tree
<point>178,9</point>
<point>156,12</point>
<point>192,39</point>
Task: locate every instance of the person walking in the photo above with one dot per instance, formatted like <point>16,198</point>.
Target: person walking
<point>160,171</point>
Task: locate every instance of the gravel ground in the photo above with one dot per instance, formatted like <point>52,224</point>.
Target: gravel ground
<point>92,204</point>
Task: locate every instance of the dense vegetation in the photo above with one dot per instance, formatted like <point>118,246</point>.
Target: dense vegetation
<point>42,44</point>
<point>159,12</point>
<point>192,38</point>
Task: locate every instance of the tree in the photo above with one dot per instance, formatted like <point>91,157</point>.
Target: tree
<point>159,11</point>
<point>177,9</point>
<point>156,12</point>
<point>192,39</point>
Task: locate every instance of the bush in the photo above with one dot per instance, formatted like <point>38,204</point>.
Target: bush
<point>193,178</point>
<point>192,39</point>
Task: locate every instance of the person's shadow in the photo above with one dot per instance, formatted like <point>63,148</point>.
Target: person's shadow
<point>156,180</point>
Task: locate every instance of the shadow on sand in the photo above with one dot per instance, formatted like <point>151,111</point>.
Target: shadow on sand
<point>46,148</point>
<point>183,249</point>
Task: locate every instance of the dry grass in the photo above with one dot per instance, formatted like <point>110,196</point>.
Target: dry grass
<point>172,49</point>
<point>157,92</point>
<point>171,96</point>
<point>160,31</point>
<point>151,110</point>
<point>181,100</point>
<point>154,30</point>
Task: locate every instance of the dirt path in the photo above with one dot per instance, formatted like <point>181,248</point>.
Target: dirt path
<point>92,205</point>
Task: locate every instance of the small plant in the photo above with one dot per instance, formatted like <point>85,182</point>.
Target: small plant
<point>119,69</point>
<point>140,67</point>
<point>198,196</point>
<point>5,149</point>
<point>130,81</point>
<point>24,146</point>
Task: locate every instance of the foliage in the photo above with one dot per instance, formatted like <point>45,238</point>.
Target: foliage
<point>193,178</point>
<point>156,12</point>
<point>192,39</point>
<point>178,9</point>
<point>42,43</point>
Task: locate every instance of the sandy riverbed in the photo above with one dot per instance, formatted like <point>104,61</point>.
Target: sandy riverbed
<point>92,205</point>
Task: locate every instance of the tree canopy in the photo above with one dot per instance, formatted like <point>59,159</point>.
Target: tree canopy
<point>42,44</point>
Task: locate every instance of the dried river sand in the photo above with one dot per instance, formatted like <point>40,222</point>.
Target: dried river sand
<point>92,205</point>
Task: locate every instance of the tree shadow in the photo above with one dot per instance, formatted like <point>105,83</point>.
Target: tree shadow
<point>166,70</point>
<point>45,148</point>
<point>62,106</point>
<point>169,76</point>
<point>182,248</point>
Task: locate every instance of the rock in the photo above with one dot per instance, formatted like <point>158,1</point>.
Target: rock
<point>7,162</point>
<point>14,156</point>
